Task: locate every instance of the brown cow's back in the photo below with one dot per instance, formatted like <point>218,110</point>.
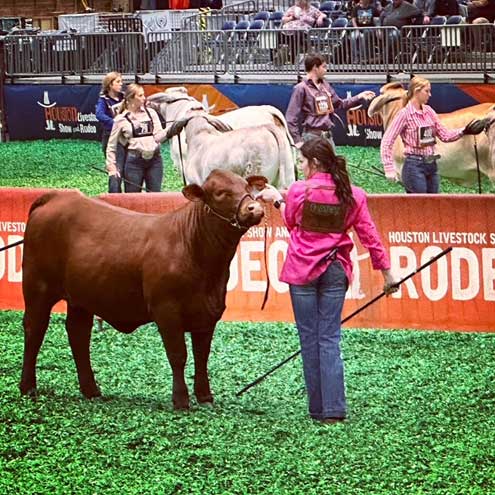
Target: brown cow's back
<point>90,252</point>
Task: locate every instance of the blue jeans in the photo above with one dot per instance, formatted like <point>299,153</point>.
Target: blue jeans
<point>317,308</point>
<point>114,182</point>
<point>361,46</point>
<point>138,170</point>
<point>419,176</point>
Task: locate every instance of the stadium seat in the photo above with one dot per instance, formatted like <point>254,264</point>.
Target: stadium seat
<point>240,29</point>
<point>228,26</point>
<point>428,46</point>
<point>262,16</point>
<point>276,19</point>
<point>257,24</point>
<point>340,22</point>
<point>336,39</point>
<point>327,22</point>
<point>241,25</point>
<point>327,6</point>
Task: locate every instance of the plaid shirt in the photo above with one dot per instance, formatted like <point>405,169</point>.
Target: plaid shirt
<point>407,124</point>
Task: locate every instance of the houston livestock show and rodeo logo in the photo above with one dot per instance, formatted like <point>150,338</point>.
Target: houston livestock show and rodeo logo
<point>64,120</point>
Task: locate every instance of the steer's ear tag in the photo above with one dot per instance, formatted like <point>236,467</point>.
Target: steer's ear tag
<point>193,192</point>
<point>258,182</point>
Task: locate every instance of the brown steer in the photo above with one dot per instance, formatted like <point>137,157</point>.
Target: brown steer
<point>171,269</point>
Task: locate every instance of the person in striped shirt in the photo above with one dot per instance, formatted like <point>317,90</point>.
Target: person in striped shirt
<point>418,126</point>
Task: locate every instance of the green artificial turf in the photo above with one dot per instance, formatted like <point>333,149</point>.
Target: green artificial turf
<point>67,164</point>
<point>420,417</point>
<point>421,404</point>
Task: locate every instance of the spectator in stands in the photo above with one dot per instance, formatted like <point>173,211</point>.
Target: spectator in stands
<point>445,7</point>
<point>110,99</point>
<point>363,15</point>
<point>297,20</point>
<point>481,8</point>
<point>302,16</point>
<point>397,14</point>
<point>139,129</point>
<point>313,101</point>
<point>427,7</point>
<point>400,13</point>
<point>419,127</point>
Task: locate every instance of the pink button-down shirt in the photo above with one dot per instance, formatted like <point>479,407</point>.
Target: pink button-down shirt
<point>407,123</point>
<point>307,251</point>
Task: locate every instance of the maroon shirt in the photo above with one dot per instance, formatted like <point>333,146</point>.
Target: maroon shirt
<point>302,111</point>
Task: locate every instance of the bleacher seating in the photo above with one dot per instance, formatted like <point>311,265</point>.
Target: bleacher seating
<point>228,26</point>
<point>242,25</point>
<point>340,22</point>
<point>328,6</point>
<point>256,24</point>
<point>276,19</point>
<point>263,16</point>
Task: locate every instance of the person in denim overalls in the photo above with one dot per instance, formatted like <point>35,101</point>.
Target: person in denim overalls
<point>139,130</point>
<point>319,212</point>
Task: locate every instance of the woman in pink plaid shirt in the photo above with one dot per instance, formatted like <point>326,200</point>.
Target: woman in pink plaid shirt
<point>418,126</point>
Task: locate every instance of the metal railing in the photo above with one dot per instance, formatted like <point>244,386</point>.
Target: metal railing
<point>378,50</point>
<point>75,54</point>
<point>187,52</point>
<point>459,48</point>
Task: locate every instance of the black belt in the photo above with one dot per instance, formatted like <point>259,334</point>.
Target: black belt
<point>426,159</point>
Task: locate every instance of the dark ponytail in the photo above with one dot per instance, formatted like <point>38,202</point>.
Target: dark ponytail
<point>320,152</point>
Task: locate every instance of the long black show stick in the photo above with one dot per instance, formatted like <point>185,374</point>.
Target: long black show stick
<point>347,318</point>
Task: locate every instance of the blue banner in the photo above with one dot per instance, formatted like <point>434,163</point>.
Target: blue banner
<point>51,111</point>
<point>63,111</point>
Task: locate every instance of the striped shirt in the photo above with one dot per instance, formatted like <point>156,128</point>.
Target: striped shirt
<point>408,123</point>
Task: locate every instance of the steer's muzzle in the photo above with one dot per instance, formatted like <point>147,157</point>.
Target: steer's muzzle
<point>250,213</point>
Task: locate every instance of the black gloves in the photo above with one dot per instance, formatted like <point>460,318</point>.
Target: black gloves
<point>476,126</point>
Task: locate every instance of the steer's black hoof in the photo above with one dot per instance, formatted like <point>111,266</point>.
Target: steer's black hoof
<point>181,405</point>
<point>31,392</point>
<point>93,393</point>
<point>205,399</point>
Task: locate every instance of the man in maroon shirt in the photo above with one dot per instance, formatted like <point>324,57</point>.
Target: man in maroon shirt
<point>313,101</point>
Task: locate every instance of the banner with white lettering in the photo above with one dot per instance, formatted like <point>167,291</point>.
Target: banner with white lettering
<point>455,293</point>
<point>52,111</point>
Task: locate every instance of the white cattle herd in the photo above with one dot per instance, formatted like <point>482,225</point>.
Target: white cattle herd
<point>255,140</point>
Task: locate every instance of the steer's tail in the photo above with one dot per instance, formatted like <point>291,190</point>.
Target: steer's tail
<point>279,121</point>
<point>286,174</point>
<point>42,200</point>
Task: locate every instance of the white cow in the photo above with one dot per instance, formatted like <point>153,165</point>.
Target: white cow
<point>175,103</point>
<point>212,144</point>
<point>457,161</point>
<point>490,132</point>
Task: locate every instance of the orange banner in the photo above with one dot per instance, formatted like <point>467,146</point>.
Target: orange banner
<point>455,293</point>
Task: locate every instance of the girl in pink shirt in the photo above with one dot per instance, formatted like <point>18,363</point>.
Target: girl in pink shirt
<point>318,213</point>
<point>419,127</point>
